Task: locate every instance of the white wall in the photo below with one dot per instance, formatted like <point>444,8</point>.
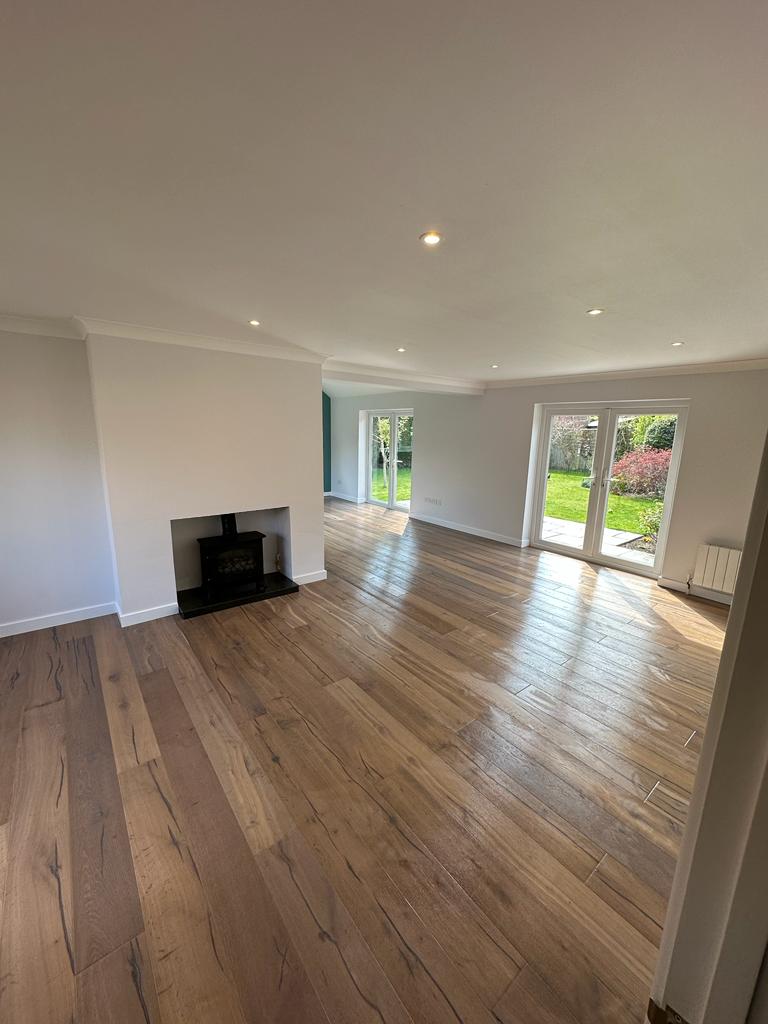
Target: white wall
<point>55,564</point>
<point>473,453</point>
<point>191,432</point>
<point>714,941</point>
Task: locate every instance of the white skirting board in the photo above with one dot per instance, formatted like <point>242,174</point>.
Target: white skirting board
<point>94,611</point>
<point>695,591</point>
<point>447,524</point>
<point>147,614</point>
<point>347,497</point>
<point>310,577</point>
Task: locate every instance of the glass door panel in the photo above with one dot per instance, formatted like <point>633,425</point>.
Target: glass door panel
<point>636,484</point>
<point>569,495</point>
<point>606,482</point>
<point>390,455</point>
<point>380,446</point>
<point>403,461</point>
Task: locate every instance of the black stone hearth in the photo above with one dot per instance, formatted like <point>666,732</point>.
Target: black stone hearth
<point>232,570</point>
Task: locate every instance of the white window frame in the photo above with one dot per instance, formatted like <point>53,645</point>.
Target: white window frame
<point>608,413</point>
<point>392,502</point>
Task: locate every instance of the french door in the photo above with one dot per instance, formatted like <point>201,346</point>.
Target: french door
<point>606,479</point>
<point>390,455</point>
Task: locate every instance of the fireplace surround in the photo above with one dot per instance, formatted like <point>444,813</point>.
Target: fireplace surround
<point>231,572</point>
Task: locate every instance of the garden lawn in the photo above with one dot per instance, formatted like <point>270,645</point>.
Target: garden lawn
<point>379,487</point>
<point>567,499</point>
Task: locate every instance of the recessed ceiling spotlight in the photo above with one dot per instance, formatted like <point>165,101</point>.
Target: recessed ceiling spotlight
<point>254,323</point>
<point>677,344</point>
<point>595,312</point>
<point>494,366</point>
<point>401,350</point>
<point>431,238</point>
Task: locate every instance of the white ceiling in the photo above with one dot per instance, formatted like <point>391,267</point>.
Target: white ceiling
<point>189,165</point>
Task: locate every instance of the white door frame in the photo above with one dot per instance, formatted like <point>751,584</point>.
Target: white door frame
<point>393,415</point>
<point>608,414</point>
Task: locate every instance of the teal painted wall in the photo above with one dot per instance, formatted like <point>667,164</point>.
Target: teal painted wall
<point>326,442</point>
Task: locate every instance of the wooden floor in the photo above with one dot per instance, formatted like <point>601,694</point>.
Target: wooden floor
<point>446,785</point>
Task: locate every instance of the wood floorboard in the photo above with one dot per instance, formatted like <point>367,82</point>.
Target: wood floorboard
<point>36,947</point>
<point>418,921</point>
<point>448,783</point>
<point>119,988</point>
<point>105,900</point>
<point>17,686</point>
<point>193,983</point>
<point>247,932</point>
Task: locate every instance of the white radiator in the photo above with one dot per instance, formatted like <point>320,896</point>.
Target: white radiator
<point>716,568</point>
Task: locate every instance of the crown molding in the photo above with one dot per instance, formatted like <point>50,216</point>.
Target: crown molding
<point>403,380</point>
<point>732,366</point>
<point>158,335</point>
<point>79,327</point>
<point>42,326</point>
<point>336,370</point>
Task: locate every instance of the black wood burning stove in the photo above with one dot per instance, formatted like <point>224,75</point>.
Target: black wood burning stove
<point>232,569</point>
<point>232,563</point>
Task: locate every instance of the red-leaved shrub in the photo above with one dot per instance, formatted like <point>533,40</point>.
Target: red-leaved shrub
<point>642,471</point>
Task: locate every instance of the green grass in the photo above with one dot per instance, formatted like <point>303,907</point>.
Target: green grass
<point>567,499</point>
<point>379,487</point>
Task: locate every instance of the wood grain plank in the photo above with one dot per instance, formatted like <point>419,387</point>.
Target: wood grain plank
<point>638,903</point>
<point>45,683</point>
<point>119,988</point>
<point>372,857</point>
<point>36,948</point>
<point>241,685</point>
<point>603,778</point>
<point>106,908</point>
<point>471,809</point>
<point>565,841</point>
<point>348,979</point>
<point>574,803</point>
<point>4,831</point>
<point>267,971</point>
<point>599,966</point>
<point>671,800</point>
<point>695,741</point>
<point>370,664</point>
<point>16,673</point>
<point>144,652</point>
<point>529,1000</point>
<point>193,979</point>
<point>133,741</point>
<point>259,812</point>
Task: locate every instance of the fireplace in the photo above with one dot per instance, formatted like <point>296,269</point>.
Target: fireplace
<point>233,562</point>
<point>231,572</point>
